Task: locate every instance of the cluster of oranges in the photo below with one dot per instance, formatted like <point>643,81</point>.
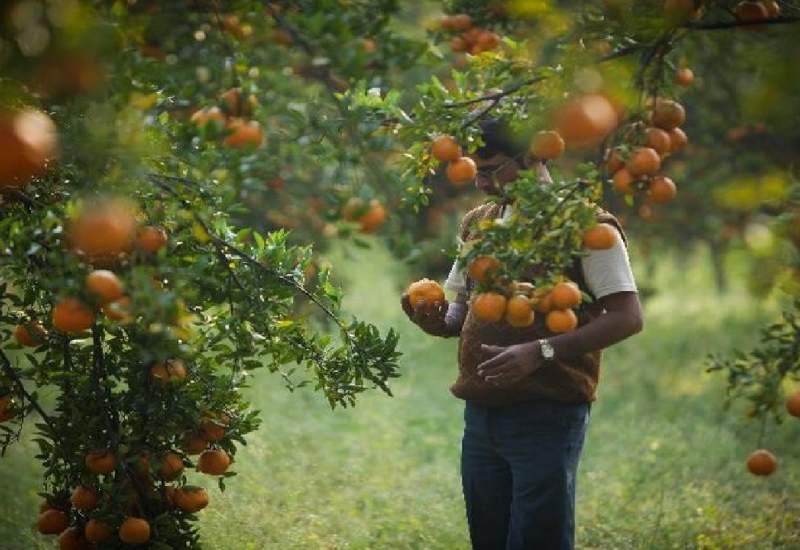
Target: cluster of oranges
<point>369,216</point>
<point>762,462</point>
<point>54,517</point>
<point>660,138</point>
<point>242,131</point>
<point>460,169</point>
<point>519,303</point>
<point>469,38</point>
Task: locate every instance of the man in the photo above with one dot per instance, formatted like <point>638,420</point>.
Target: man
<point>528,392</point>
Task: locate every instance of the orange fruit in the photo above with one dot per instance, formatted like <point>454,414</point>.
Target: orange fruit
<point>586,120</point>
<point>613,161</point>
<point>623,181</point>
<point>519,312</point>
<point>84,498</point>
<point>212,428</point>
<point>209,114</point>
<point>482,267</point>
<point>72,539</point>
<point>5,412</point>
<point>667,114</point>
<point>600,237</point>
<point>165,372</point>
<point>105,285</point>
<point>565,295</point>
<point>677,140</point>
<point>751,11</point>
<point>244,133</point>
<point>489,307</point>
<point>28,142</point>
<point>71,316</point>
<point>461,171</point>
<point>643,162</point>
<point>425,289</point>
<point>542,300</point>
<point>369,45</point>
<point>171,466</point>
<point>374,218</point>
<point>658,139</point>
<point>52,522</point>
<point>661,189</point>
<point>96,531</point>
<point>458,44</point>
<point>214,462</point>
<point>194,444</point>
<point>460,22</point>
<point>561,320</point>
<point>104,229</point>
<point>151,238</point>
<point>684,77</point>
<point>445,149</point>
<point>101,462</point>
<point>793,405</point>
<point>118,310</point>
<point>547,145</point>
<point>488,40</point>
<point>134,531</point>
<point>234,104</point>
<point>773,8</point>
<point>30,334</point>
<point>190,499</point>
<point>762,462</point>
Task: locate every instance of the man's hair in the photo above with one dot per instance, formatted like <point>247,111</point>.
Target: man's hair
<point>498,137</point>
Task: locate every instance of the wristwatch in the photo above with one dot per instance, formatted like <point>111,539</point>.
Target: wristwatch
<point>548,353</point>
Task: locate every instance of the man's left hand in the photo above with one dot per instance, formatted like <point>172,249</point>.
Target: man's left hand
<point>508,365</point>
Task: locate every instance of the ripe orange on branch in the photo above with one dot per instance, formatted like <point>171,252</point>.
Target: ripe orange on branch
<point>643,162</point>
<point>118,310</point>
<point>71,316</point>
<point>171,466</point>
<point>194,444</point>
<point>684,77</point>
<point>190,499</point>
<point>165,372</point>
<point>677,140</point>
<point>586,120</point>
<point>96,531</point>
<point>84,498</point>
<point>793,405</point>
<point>661,189</point>
<point>482,268</point>
<point>105,285</point>
<point>151,238</point>
<point>600,237</point>
<point>134,531</point>
<point>244,133</point>
<point>623,181</point>
<point>461,171</point>
<point>519,312</point>
<point>425,289</point>
<point>658,139</point>
<point>762,462</point>
<point>202,117</point>
<point>565,295</point>
<point>667,114</point>
<point>561,320</point>
<point>30,334</point>
<point>547,145</point>
<point>52,522</point>
<point>72,539</point>
<point>613,161</point>
<point>445,149</point>
<point>747,12</point>
<point>489,307</point>
<point>28,141</point>
<point>103,230</point>
<point>214,462</point>
<point>101,462</point>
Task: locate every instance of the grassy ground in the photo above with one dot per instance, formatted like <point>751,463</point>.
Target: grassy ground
<point>662,466</point>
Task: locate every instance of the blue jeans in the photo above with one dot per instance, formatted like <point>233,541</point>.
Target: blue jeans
<point>518,467</point>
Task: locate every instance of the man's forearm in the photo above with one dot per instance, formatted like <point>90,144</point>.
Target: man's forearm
<point>602,332</point>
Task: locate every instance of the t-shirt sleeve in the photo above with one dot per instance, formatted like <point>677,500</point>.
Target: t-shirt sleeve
<point>609,271</point>
<point>455,279</point>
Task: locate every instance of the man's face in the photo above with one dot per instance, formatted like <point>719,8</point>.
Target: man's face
<point>494,172</point>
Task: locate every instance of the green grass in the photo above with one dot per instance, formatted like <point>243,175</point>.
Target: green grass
<point>662,465</point>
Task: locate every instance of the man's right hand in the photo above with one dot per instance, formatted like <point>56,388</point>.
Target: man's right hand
<point>429,317</point>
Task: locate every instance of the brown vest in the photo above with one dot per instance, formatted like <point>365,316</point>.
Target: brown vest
<point>573,381</point>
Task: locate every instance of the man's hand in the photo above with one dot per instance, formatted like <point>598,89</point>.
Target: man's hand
<point>429,317</point>
<point>508,365</point>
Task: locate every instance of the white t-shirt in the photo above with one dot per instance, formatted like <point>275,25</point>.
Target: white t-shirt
<point>605,271</point>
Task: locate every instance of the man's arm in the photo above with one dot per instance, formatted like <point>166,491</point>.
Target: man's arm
<point>444,320</point>
<point>622,319</point>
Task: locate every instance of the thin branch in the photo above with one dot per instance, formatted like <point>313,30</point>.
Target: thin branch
<point>733,24</point>
<point>5,363</point>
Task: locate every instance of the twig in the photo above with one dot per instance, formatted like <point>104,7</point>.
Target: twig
<point>733,24</point>
<point>11,373</point>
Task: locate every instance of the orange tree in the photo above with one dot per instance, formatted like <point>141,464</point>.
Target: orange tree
<point>135,280</point>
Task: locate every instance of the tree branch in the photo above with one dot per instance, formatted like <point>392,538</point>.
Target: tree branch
<point>733,24</point>
<point>5,363</point>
